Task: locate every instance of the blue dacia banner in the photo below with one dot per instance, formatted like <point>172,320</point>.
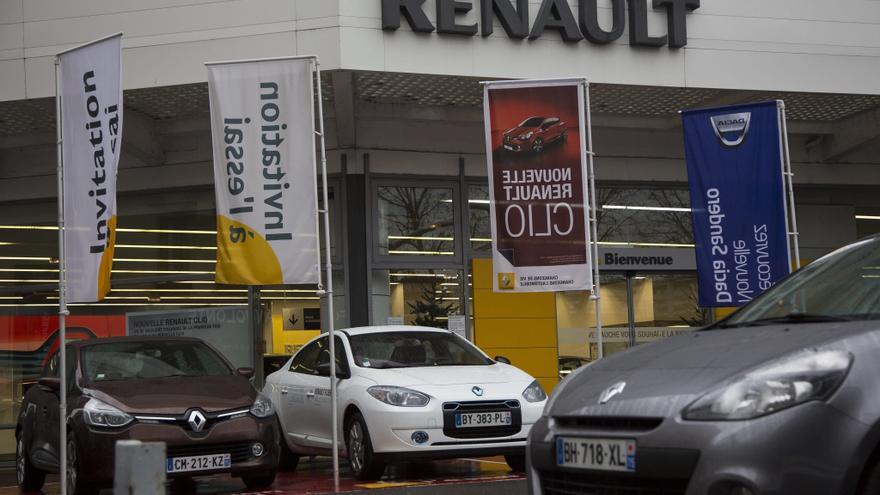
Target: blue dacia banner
<point>735,171</point>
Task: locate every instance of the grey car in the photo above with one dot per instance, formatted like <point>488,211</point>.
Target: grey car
<point>782,397</point>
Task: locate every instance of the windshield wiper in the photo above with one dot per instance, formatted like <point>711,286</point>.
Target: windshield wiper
<point>789,318</point>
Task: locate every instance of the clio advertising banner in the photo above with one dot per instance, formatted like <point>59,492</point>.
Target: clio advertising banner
<point>90,91</point>
<point>735,171</point>
<point>262,125</point>
<point>537,186</point>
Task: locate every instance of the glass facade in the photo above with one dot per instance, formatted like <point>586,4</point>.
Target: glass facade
<point>424,235</point>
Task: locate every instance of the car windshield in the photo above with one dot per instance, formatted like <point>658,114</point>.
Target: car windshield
<point>532,122</point>
<point>842,286</point>
<point>143,360</point>
<point>413,349</point>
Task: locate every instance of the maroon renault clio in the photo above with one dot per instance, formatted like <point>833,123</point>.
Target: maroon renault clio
<point>174,390</point>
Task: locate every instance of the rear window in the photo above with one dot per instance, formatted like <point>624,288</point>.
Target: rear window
<point>143,360</point>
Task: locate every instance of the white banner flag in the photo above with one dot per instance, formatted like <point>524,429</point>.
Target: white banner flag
<point>262,124</point>
<point>91,127</point>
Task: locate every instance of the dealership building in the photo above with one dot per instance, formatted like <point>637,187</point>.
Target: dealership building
<point>408,190</point>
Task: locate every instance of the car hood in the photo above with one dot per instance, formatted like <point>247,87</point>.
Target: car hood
<point>448,375</point>
<point>519,131</point>
<point>664,377</point>
<point>174,395</point>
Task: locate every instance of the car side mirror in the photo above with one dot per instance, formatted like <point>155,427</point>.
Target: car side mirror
<point>245,372</point>
<point>323,369</point>
<point>502,359</point>
<point>51,384</point>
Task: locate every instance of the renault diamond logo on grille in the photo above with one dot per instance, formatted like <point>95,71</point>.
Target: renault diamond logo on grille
<point>196,421</point>
<point>732,129</point>
<point>611,392</point>
<point>477,391</point>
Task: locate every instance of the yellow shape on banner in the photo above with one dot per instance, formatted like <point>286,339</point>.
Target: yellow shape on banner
<point>244,256</point>
<point>106,265</point>
<point>506,281</point>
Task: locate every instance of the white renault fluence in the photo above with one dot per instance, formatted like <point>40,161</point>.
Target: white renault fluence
<point>405,393</point>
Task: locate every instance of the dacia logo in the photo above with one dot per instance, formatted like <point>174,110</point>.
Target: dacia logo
<point>731,129</point>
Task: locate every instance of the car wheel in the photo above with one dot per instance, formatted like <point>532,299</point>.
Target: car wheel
<point>259,481</point>
<point>30,479</point>
<point>538,145</point>
<point>76,483</point>
<point>517,462</point>
<point>364,463</point>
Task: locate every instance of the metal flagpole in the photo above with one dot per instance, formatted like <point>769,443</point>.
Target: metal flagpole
<point>789,179</point>
<point>62,292</point>
<point>329,283</point>
<point>594,219</point>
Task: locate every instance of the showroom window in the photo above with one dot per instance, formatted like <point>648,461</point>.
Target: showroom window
<point>416,297</point>
<point>479,223</point>
<point>415,222</point>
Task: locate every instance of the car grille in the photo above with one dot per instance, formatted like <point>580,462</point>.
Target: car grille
<point>570,483</point>
<point>609,423</point>
<point>238,451</point>
<point>450,409</point>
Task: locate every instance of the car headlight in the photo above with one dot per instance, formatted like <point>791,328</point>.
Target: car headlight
<point>399,396</point>
<point>97,413</point>
<point>262,407</point>
<point>534,392</point>
<point>804,376</point>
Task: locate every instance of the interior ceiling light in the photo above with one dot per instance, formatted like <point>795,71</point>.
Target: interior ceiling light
<point>431,275</point>
<point>28,227</point>
<point>423,253</point>
<point>867,217</point>
<point>419,238</point>
<point>644,244</point>
<point>165,272</point>
<point>645,208</point>
<point>169,246</point>
<point>146,231</point>
<point>137,260</point>
<point>26,258</point>
<point>29,270</point>
<point>98,305</point>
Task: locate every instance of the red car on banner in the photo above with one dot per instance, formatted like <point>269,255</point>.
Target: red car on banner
<point>533,133</point>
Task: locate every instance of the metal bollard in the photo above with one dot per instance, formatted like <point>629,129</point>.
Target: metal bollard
<point>140,468</point>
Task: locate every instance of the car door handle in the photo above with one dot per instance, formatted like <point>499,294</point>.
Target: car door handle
<point>284,391</point>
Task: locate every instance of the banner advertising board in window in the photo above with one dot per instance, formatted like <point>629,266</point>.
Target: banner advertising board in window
<point>740,217</point>
<point>535,136</point>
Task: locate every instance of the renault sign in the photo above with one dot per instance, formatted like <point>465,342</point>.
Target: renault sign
<point>555,15</point>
